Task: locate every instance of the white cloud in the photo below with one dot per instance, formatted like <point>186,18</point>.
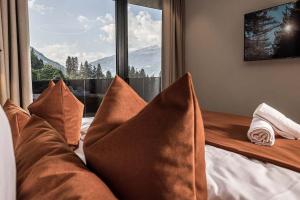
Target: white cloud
<point>143,30</point>
<point>107,19</point>
<point>84,22</point>
<point>82,19</point>
<point>60,52</point>
<point>107,28</point>
<point>103,22</point>
<point>108,34</point>
<point>37,7</point>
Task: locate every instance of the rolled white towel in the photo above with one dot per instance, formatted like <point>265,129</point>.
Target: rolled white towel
<point>261,132</point>
<point>282,125</point>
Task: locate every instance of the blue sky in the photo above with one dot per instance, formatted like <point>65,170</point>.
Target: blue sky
<point>86,28</point>
<point>277,13</point>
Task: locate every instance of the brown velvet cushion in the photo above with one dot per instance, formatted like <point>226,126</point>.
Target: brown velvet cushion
<point>58,106</point>
<point>120,104</point>
<point>47,90</point>
<point>17,118</point>
<point>158,153</point>
<point>47,168</point>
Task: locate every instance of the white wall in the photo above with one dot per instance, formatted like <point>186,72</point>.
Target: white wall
<point>214,47</point>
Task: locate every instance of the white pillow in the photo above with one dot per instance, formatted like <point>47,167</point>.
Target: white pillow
<point>7,160</point>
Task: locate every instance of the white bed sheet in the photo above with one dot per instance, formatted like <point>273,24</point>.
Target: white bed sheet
<point>231,176</point>
<point>85,124</point>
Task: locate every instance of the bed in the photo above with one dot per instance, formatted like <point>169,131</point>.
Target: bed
<point>171,155</point>
<point>234,176</point>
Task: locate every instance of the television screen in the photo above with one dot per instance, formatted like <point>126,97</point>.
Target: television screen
<point>273,33</point>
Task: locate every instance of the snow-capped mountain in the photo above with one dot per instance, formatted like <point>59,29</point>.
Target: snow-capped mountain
<point>148,58</point>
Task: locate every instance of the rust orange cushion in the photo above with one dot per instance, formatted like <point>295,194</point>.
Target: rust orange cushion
<point>48,89</point>
<point>120,104</point>
<point>58,106</point>
<point>17,118</point>
<point>49,169</point>
<point>153,151</point>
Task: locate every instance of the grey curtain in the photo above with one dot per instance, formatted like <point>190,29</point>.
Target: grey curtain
<point>15,70</point>
<point>172,41</point>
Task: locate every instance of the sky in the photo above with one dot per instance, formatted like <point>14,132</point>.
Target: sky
<point>86,28</point>
<point>277,14</point>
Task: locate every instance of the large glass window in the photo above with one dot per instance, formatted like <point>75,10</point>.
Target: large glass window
<point>73,40</point>
<point>81,42</point>
<point>144,46</point>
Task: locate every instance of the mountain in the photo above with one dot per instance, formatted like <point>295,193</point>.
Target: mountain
<point>148,58</point>
<point>48,61</point>
<point>107,64</point>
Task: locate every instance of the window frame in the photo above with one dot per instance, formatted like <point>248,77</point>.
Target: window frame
<point>121,23</point>
<point>121,13</point>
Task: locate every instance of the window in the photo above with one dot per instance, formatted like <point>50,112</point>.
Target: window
<point>73,40</point>
<point>144,46</point>
<point>87,44</point>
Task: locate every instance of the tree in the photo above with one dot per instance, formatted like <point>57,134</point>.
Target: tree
<point>137,74</point>
<point>108,75</point>
<point>69,66</point>
<point>81,71</point>
<point>257,27</point>
<point>287,38</point>
<point>34,74</point>
<point>72,66</point>
<point>132,73</point>
<point>36,63</point>
<point>87,70</point>
<point>142,73</point>
<point>84,70</point>
<point>94,71</point>
<point>99,73</point>
<point>48,72</point>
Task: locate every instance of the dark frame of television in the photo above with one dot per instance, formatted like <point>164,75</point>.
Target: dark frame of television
<point>264,59</point>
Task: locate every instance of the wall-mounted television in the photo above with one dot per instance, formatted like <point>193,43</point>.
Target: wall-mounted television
<point>273,33</point>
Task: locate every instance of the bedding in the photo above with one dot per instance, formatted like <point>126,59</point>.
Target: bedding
<point>137,155</point>
<point>49,169</point>
<point>229,132</point>
<point>7,158</point>
<point>86,123</point>
<point>232,176</point>
<point>229,175</point>
<point>17,118</point>
<point>120,104</point>
<point>46,92</point>
<point>58,106</point>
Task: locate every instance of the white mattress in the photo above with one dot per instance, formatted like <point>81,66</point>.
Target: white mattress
<point>232,176</point>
